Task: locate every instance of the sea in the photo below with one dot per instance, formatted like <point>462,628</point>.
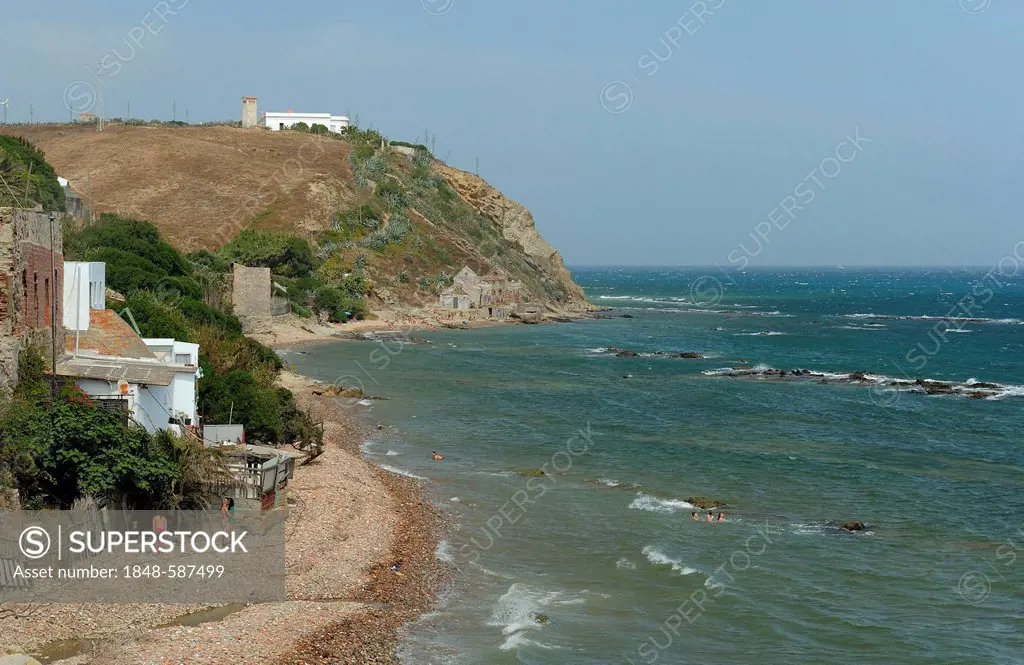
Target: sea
<point>571,470</point>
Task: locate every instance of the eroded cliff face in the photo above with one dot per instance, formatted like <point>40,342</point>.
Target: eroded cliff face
<point>518,227</point>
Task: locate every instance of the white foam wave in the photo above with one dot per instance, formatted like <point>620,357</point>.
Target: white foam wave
<point>443,552</point>
<point>653,504</point>
<point>928,317</point>
<point>391,453</point>
<point>608,482</point>
<point>659,558</point>
<point>401,472</point>
<point>516,613</point>
<point>766,333</point>
<point>625,564</point>
<point>365,446</point>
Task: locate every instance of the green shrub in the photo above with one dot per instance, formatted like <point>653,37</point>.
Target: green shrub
<point>282,253</point>
<point>25,168</point>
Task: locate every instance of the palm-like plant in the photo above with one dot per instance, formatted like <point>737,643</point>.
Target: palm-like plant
<point>201,471</point>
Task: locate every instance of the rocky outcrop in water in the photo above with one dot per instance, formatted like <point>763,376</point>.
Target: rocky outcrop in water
<point>879,384</point>
<point>627,353</point>
<point>852,526</point>
<point>704,503</point>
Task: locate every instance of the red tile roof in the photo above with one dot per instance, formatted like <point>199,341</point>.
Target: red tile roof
<point>109,335</point>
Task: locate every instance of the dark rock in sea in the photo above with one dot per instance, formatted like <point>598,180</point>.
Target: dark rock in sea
<point>986,386</point>
<point>858,376</point>
<point>689,355</point>
<point>852,526</point>
<point>541,619</point>
<point>627,376</point>
<point>743,367</point>
<point>626,316</point>
<point>704,502</point>
<point>626,354</point>
<point>532,473</point>
<point>977,395</point>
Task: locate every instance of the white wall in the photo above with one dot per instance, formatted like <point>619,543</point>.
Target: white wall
<point>335,123</point>
<point>85,288</point>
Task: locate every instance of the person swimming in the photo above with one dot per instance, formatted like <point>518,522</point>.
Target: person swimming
<point>721,517</point>
<point>693,516</point>
<point>711,517</point>
<point>436,457</point>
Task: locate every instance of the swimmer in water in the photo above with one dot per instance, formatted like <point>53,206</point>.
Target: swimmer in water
<point>721,517</point>
<point>710,517</point>
<point>693,516</point>
<point>436,457</point>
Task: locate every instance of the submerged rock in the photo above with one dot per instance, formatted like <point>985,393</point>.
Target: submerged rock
<point>541,618</point>
<point>626,354</point>
<point>689,355</point>
<point>856,525</point>
<point>532,473</point>
<point>704,502</point>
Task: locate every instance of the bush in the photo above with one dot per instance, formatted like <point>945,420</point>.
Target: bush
<point>19,158</point>
<point>210,261</point>
<point>282,253</point>
<point>129,235</point>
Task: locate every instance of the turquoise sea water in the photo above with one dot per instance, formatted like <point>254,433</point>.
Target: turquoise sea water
<point>598,561</point>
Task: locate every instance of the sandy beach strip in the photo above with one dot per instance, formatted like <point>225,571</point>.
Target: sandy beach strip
<point>348,523</point>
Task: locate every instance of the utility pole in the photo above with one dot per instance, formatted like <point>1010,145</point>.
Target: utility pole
<point>99,98</point>
<point>174,111</point>
<point>31,115</point>
<point>129,111</point>
<point>53,311</point>
<point>88,217</point>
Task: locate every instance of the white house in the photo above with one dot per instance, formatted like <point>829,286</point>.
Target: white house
<point>278,121</point>
<point>184,358</point>
<point>153,381</point>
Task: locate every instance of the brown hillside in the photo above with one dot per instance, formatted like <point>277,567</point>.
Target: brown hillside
<point>196,183</point>
<point>201,185</point>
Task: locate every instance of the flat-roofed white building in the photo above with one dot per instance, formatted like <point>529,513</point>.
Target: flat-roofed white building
<point>277,121</point>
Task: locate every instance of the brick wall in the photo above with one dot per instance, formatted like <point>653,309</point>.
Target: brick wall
<point>28,286</point>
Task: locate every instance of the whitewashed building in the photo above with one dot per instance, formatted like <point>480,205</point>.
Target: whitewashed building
<point>153,381</point>
<point>277,121</point>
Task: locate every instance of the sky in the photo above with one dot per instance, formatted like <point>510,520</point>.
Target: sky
<point>791,132</point>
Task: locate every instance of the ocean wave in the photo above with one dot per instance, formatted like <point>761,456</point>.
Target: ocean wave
<point>443,552</point>
<point>400,472</point>
<point>365,446</point>
<point>659,558</point>
<point>518,612</point>
<point>926,317</point>
<point>653,504</point>
<point>869,326</point>
<point>764,333</point>
<point>971,388</point>
<point>625,564</point>
<point>391,453</point>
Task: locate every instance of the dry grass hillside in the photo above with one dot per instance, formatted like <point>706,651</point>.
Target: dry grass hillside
<point>195,182</point>
<point>201,185</point>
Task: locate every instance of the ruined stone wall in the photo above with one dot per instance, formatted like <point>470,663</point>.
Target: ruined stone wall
<point>27,295</point>
<point>250,297</point>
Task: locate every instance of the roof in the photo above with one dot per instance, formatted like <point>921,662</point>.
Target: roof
<point>109,335</point>
<point>455,290</point>
<point>115,369</point>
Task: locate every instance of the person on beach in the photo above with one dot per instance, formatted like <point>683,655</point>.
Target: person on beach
<point>721,517</point>
<point>227,512</point>
<point>436,457</point>
<point>693,516</point>
<point>711,517</point>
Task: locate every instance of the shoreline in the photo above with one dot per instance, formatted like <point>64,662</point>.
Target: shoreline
<point>349,522</point>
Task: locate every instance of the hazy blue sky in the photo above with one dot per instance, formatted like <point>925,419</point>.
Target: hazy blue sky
<point>742,107</point>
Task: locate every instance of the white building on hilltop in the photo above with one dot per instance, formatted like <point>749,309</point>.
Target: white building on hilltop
<point>276,121</point>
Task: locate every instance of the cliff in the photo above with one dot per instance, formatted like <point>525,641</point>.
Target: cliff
<point>407,220</point>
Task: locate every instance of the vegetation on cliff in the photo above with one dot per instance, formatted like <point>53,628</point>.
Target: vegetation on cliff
<point>26,179</point>
<point>169,295</point>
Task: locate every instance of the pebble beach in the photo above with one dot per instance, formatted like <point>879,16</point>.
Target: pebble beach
<point>349,522</point>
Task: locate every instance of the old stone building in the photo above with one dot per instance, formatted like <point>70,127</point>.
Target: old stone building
<point>254,298</point>
<point>31,286</point>
<point>494,294</point>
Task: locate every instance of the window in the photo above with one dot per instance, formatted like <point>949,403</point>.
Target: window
<point>182,359</point>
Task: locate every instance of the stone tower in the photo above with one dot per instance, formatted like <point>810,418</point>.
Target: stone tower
<point>249,116</point>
